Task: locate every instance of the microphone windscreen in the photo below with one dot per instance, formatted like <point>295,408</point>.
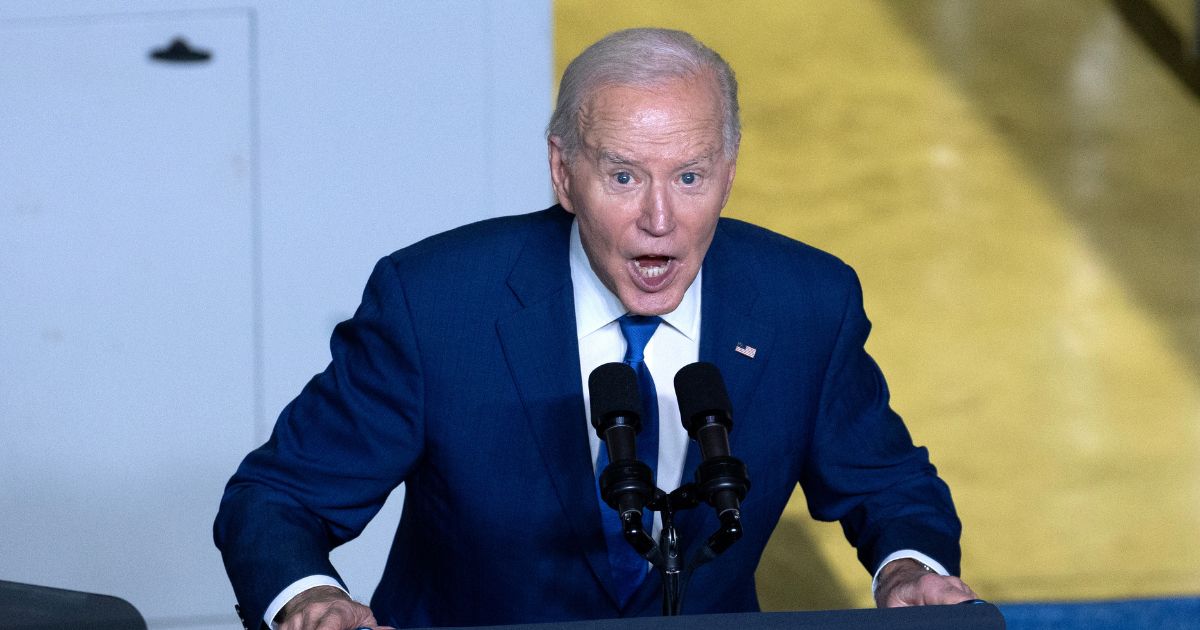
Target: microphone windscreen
<point>614,391</point>
<point>701,391</point>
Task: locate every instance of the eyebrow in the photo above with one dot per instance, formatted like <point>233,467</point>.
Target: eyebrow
<point>613,157</point>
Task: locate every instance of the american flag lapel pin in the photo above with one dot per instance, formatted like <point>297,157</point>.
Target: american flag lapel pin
<point>745,350</point>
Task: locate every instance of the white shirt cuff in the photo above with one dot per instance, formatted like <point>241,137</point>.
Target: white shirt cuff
<point>294,589</point>
<point>907,553</point>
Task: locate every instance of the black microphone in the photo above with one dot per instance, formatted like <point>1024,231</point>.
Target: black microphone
<point>626,484</point>
<point>616,409</point>
<point>707,415</point>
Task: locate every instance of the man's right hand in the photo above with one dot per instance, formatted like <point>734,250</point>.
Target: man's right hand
<point>325,608</point>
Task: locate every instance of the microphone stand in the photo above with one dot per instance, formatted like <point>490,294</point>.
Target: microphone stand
<point>672,566</point>
<point>665,554</point>
<point>627,485</point>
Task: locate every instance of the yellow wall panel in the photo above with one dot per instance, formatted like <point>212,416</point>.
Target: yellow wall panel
<point>1042,357</point>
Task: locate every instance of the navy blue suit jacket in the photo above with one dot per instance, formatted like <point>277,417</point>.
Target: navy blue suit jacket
<point>459,375</point>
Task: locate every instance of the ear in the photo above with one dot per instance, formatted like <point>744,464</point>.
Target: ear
<point>560,173</point>
<point>729,181</point>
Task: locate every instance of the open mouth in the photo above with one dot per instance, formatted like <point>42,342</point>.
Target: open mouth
<point>652,266</point>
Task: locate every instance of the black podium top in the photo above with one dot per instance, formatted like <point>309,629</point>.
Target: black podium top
<point>956,617</point>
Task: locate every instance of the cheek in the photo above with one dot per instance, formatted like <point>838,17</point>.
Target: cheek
<point>701,226</point>
<point>597,238</point>
<point>603,226</point>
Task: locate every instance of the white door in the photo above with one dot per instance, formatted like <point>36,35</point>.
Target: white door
<point>128,297</point>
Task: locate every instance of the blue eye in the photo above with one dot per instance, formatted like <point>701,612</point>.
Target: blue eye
<point>688,178</point>
<point>623,177</point>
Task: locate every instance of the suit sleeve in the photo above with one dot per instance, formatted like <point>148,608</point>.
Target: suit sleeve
<point>863,469</point>
<point>336,452</point>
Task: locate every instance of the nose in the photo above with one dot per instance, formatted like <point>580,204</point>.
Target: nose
<point>658,212</point>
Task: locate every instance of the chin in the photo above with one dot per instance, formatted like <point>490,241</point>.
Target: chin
<point>642,303</point>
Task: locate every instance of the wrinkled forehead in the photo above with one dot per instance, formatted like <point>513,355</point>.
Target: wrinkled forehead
<point>685,111</point>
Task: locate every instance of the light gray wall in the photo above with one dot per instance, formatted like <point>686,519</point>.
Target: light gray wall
<point>176,244</point>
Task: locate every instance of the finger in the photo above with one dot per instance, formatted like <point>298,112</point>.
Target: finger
<point>333,620</point>
<point>945,590</point>
<point>929,589</point>
<point>916,592</point>
<point>345,615</point>
<point>963,585</point>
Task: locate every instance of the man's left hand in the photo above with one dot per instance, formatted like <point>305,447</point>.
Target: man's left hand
<point>906,582</point>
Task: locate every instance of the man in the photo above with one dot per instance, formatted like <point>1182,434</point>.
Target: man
<point>463,374</point>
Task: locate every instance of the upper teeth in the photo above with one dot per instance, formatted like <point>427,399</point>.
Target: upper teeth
<point>651,271</point>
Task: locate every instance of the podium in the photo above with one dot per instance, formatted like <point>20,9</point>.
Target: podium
<point>978,616</point>
<point>29,607</point>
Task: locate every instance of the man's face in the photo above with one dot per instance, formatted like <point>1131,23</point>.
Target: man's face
<point>647,187</point>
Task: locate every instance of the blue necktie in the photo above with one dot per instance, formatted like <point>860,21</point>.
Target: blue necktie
<point>629,569</point>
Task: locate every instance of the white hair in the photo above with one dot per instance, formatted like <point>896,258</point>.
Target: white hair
<point>640,57</point>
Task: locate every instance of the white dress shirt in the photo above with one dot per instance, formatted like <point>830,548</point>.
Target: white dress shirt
<point>675,343</point>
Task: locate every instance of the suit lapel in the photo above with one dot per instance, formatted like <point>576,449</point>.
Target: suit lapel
<point>542,352</point>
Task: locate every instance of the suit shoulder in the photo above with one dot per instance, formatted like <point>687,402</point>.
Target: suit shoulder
<point>755,245</point>
<point>793,282</point>
<point>490,234</point>
<point>489,243</point>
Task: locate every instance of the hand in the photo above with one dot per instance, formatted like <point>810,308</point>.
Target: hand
<point>325,608</point>
<point>906,582</point>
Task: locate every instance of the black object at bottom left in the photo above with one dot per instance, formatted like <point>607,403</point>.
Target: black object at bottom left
<point>31,607</point>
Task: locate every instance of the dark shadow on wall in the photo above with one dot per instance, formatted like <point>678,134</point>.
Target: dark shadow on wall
<point>1099,121</point>
<point>1167,43</point>
<point>792,574</point>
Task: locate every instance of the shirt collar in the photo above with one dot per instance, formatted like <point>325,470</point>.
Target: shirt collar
<point>597,307</point>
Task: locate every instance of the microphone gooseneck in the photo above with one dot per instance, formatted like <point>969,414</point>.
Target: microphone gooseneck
<point>707,414</point>
<point>626,484</point>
